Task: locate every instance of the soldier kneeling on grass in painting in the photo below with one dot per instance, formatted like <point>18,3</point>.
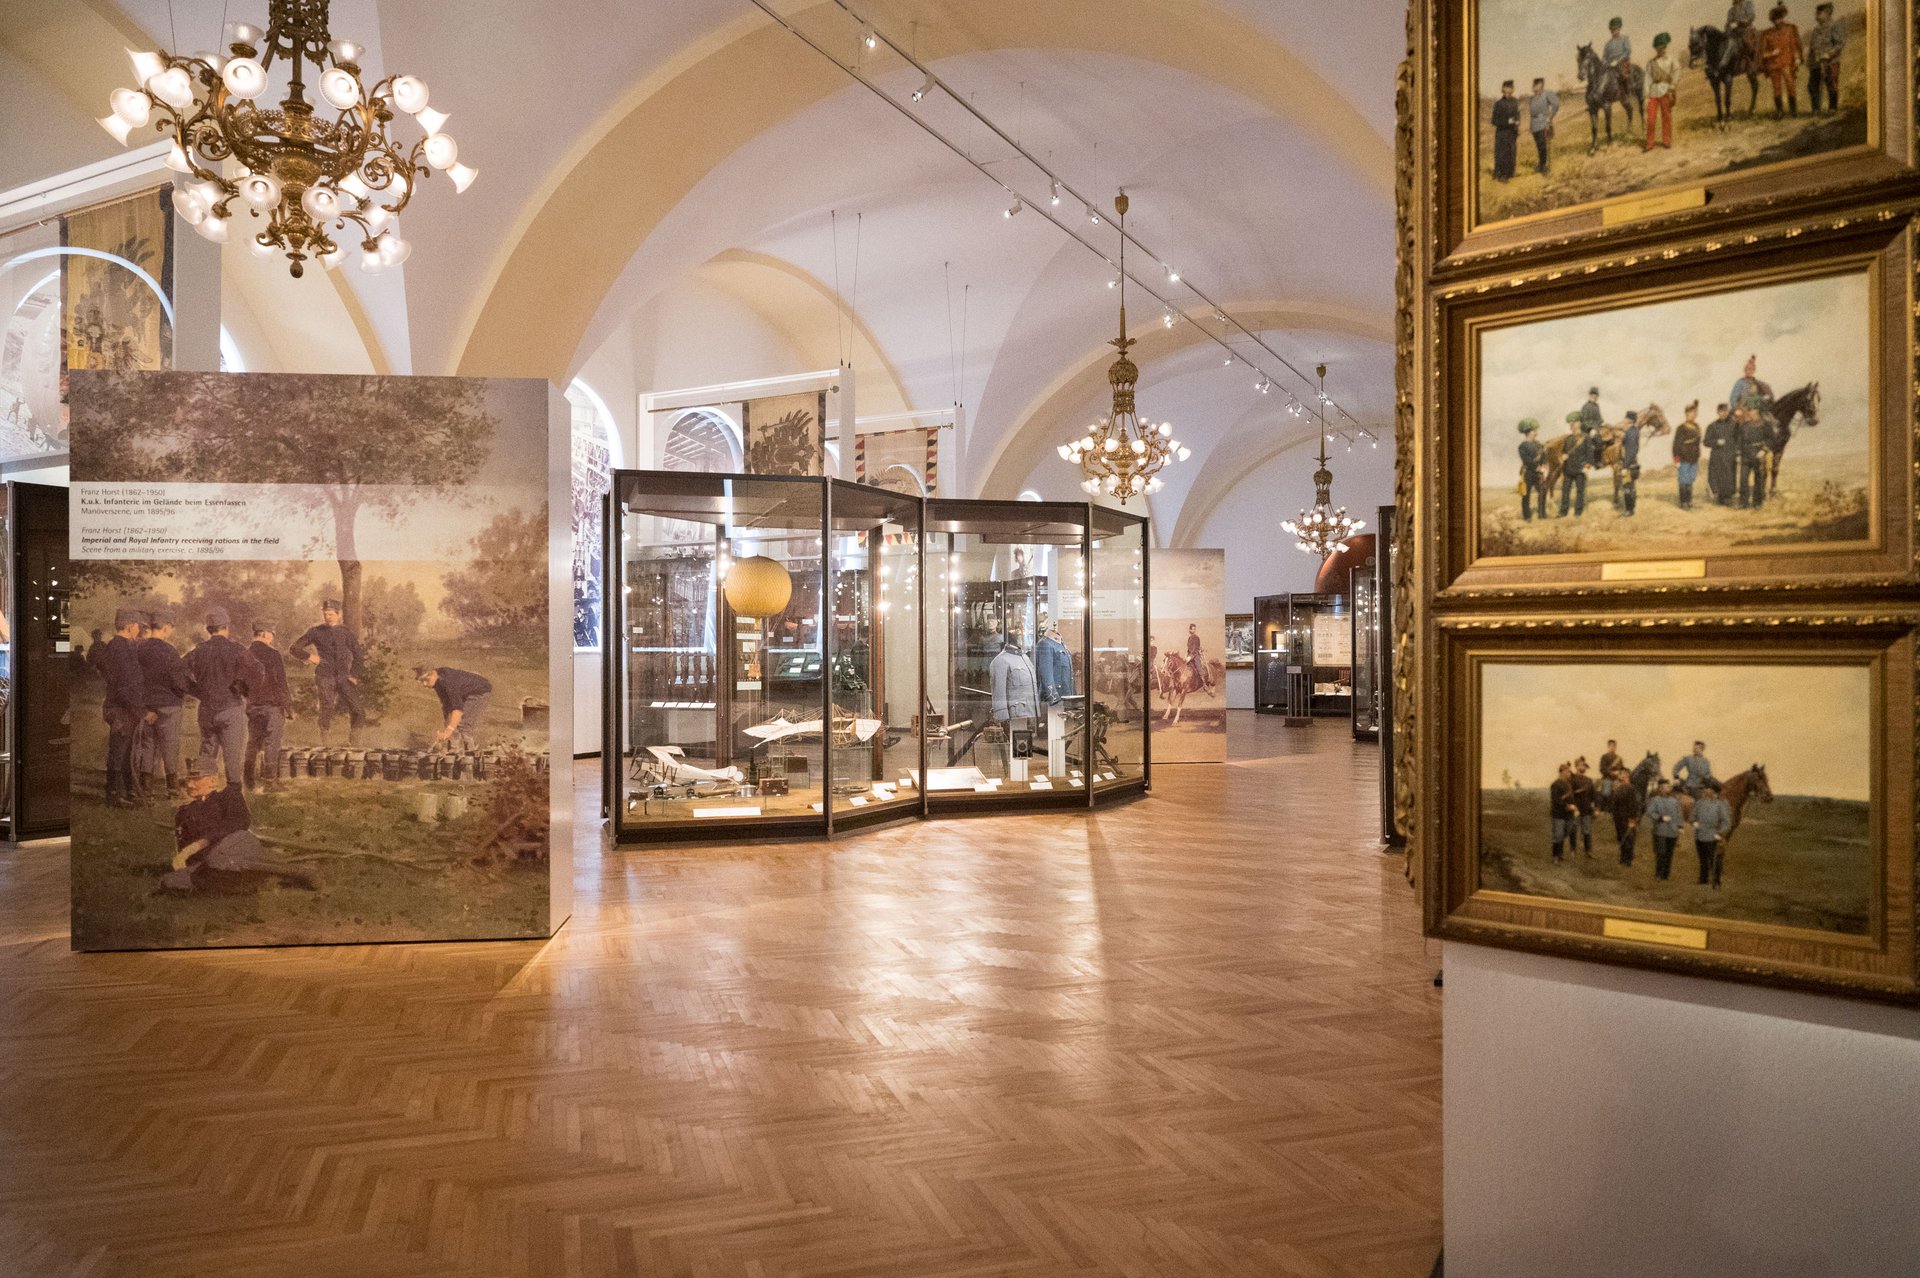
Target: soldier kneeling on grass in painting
<point>463,701</point>
<point>217,848</point>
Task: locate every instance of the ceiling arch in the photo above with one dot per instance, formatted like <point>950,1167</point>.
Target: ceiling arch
<point>534,304</point>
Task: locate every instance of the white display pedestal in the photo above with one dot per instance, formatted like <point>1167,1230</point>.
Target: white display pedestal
<point>1056,741</point>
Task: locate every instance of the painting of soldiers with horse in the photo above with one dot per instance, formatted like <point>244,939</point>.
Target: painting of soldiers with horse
<point>1689,427</point>
<point>1723,790</point>
<point>1186,660</point>
<point>1578,107</point>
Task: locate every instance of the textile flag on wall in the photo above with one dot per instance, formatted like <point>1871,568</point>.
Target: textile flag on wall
<point>785,434</point>
<point>346,735</point>
<point>896,459</point>
<point>1186,675</point>
<point>114,320</point>
<point>592,471</point>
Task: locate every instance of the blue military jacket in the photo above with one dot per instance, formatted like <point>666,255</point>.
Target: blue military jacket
<point>1056,670</point>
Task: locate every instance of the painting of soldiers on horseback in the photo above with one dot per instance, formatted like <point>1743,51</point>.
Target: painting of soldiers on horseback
<point>1672,786</point>
<point>1689,426</point>
<point>1186,661</point>
<point>1577,107</point>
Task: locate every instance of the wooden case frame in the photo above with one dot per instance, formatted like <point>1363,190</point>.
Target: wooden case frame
<point>1881,963</point>
<point>1446,43</point>
<point>1881,242</point>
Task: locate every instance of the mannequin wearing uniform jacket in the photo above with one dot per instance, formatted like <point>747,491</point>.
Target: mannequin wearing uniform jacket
<point>1016,688</point>
<point>1056,668</point>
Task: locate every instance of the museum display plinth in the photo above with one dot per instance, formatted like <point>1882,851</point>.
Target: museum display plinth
<point>800,656</point>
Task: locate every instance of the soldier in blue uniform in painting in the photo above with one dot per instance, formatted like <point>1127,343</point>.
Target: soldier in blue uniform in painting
<point>1630,465</point>
<point>463,701</point>
<point>1663,818</point>
<point>1592,420</point>
<point>1506,132</point>
<point>1712,822</point>
<point>1533,470</point>
<point>1693,772</point>
<point>1618,54</point>
<point>338,667</point>
<point>1756,454</point>
<point>269,707</point>
<point>1686,454</point>
<point>165,674</point>
<point>125,702</point>
<point>1562,815</point>
<point>1574,459</point>
<point>222,673</point>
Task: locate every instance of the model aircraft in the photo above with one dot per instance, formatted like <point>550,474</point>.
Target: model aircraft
<point>782,728</point>
<point>668,766</point>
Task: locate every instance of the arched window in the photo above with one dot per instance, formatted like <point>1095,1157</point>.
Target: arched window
<point>701,439</point>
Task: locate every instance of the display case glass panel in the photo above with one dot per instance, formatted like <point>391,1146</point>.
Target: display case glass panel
<point>875,652</point>
<point>1366,654</point>
<point>721,677</point>
<point>1117,583</point>
<point>1007,660</point>
<point>1271,617</point>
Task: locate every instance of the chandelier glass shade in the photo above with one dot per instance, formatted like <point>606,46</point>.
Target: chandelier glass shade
<point>317,173</point>
<point>1323,529</point>
<point>1120,455</point>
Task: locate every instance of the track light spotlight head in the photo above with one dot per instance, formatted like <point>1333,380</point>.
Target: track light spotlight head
<point>1013,209</point>
<point>869,38</point>
<point>927,86</point>
<point>1053,193</point>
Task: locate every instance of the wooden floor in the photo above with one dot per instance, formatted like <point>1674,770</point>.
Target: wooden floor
<point>1195,1035</point>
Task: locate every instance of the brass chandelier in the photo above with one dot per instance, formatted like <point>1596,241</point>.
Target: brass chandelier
<point>1120,455</point>
<point>1323,530</point>
<point>309,175</point>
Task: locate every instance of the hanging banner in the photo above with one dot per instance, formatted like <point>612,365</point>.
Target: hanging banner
<point>114,319</point>
<point>333,655</point>
<point>902,461</point>
<point>592,474</point>
<point>785,434</point>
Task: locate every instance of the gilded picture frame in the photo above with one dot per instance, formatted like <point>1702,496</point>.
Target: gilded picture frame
<point>1623,202</point>
<point>1470,896</point>
<point>1481,553</point>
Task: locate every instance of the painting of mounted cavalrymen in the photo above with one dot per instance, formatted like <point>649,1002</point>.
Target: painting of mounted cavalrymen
<point>1577,107</point>
<point>1692,426</point>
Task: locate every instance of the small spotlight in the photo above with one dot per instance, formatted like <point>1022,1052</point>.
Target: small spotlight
<point>1013,208</point>
<point>1053,193</point>
<point>868,38</point>
<point>1114,282</point>
<point>1092,216</point>
<point>925,88</point>
<point>1173,276</point>
<point>1167,319</point>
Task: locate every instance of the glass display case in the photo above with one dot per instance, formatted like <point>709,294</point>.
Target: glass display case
<point>37,664</point>
<point>1270,658</point>
<point>1321,663</point>
<point>798,655</point>
<point>1366,648</point>
<point>718,672</point>
<point>1007,717</point>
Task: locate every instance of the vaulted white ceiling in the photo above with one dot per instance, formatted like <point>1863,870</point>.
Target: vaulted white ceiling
<point>640,163</point>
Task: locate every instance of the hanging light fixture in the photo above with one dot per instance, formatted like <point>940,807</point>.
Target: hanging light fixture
<point>1323,530</point>
<point>307,174</point>
<point>1120,455</point>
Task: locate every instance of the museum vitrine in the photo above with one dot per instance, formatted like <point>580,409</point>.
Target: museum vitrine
<point>1366,648</point>
<point>718,661</point>
<point>1270,657</point>
<point>1116,595</point>
<point>39,663</point>
<point>1321,665</point>
<point>873,634</point>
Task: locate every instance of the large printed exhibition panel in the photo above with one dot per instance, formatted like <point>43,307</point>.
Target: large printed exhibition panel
<point>335,619</point>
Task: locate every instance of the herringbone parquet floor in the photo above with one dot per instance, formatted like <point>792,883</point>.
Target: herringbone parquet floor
<point>1195,1036</point>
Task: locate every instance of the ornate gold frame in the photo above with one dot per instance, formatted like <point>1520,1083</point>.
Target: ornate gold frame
<point>1880,963</point>
<point>1811,210</point>
<point>1450,53</point>
<point>1882,243</point>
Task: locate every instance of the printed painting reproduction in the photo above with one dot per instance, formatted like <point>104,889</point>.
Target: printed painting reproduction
<point>1581,105</point>
<point>1712,789</point>
<point>1186,657</point>
<point>1741,419</point>
<point>321,713</point>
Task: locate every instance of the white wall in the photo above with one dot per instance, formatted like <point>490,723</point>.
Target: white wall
<point>1605,1121</point>
<point>1261,558</point>
<point>46,132</point>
